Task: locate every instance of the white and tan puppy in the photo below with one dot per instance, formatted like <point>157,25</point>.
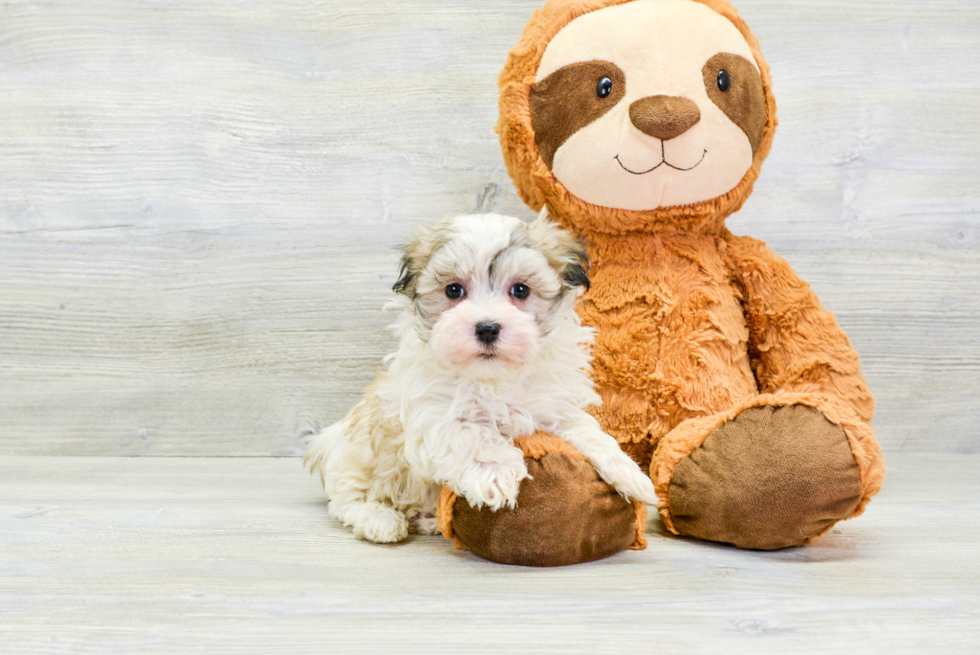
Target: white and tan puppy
<point>490,349</point>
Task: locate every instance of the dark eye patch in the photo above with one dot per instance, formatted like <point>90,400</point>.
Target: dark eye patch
<point>572,98</point>
<point>738,93</point>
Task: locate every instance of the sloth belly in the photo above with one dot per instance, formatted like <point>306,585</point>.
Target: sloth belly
<point>671,342</point>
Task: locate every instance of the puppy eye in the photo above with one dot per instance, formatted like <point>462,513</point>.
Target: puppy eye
<point>604,87</point>
<point>520,291</point>
<point>724,81</point>
<point>455,291</point>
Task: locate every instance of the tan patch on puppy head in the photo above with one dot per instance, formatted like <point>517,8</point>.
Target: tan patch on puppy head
<point>416,255</point>
<point>565,254</point>
<point>745,100</point>
<point>568,100</point>
<point>488,256</point>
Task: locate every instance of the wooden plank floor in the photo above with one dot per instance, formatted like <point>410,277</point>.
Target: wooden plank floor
<point>210,555</point>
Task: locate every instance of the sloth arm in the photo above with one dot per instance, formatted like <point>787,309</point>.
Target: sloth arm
<point>800,357</point>
<point>794,344</point>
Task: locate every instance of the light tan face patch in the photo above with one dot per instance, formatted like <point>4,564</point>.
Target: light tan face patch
<point>664,137</point>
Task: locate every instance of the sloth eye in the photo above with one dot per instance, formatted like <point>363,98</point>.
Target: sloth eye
<point>455,291</point>
<point>520,291</point>
<point>604,87</point>
<point>724,81</point>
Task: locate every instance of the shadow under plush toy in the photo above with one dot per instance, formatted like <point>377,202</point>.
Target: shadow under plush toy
<point>641,125</point>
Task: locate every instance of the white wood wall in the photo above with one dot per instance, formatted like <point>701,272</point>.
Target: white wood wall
<point>198,203</point>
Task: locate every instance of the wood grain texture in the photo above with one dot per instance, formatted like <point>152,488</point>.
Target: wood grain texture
<point>237,555</point>
<point>199,201</point>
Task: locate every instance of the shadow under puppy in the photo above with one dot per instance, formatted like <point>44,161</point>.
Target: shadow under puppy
<point>490,349</point>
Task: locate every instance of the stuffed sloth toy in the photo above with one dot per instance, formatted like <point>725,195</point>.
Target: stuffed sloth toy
<point>642,125</point>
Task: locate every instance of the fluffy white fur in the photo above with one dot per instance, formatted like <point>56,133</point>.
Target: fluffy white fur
<point>447,407</point>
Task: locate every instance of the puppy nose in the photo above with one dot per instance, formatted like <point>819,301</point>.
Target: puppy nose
<point>487,332</point>
<point>664,117</point>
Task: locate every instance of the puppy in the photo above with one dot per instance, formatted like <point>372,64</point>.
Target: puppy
<point>490,349</point>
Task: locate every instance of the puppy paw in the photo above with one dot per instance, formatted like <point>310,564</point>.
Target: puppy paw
<point>423,523</point>
<point>382,525</point>
<point>627,478</point>
<point>494,484</point>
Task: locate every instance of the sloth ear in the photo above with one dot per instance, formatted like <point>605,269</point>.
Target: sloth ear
<point>416,255</point>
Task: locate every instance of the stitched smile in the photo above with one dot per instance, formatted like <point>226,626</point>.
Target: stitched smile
<point>663,162</point>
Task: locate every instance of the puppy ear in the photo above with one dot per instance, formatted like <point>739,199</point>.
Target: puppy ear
<point>566,254</point>
<point>416,255</point>
<point>577,274</point>
<point>408,273</point>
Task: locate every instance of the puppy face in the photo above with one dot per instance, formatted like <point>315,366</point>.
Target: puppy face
<point>648,104</point>
<point>486,289</point>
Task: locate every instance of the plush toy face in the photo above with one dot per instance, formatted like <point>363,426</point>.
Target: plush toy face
<point>647,105</point>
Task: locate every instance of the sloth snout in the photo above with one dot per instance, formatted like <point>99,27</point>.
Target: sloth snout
<point>664,117</point>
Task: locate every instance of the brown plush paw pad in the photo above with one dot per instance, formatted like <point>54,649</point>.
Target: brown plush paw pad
<point>772,477</point>
<point>565,515</point>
